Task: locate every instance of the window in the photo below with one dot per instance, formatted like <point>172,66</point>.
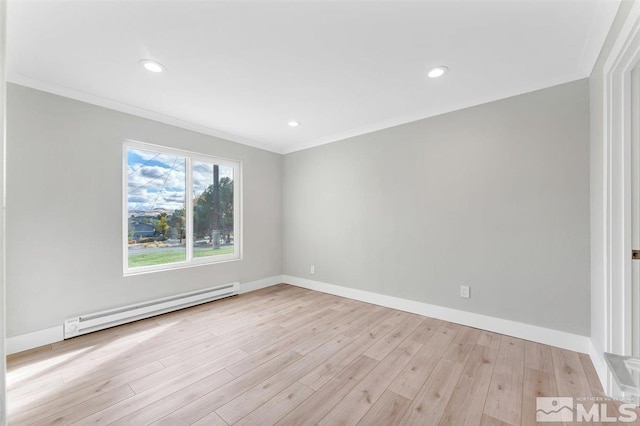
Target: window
<point>180,209</point>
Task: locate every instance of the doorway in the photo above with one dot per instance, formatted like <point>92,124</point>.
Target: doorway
<point>619,310</point>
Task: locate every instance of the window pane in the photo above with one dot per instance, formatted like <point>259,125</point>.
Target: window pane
<point>212,209</point>
<point>155,208</point>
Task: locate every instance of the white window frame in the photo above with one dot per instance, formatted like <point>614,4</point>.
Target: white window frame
<point>189,158</point>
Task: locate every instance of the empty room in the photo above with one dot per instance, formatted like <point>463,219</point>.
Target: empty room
<point>320,212</point>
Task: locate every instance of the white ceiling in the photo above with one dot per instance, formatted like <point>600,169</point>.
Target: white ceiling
<point>242,70</point>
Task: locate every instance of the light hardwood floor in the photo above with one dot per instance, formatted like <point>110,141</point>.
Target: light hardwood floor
<point>290,356</point>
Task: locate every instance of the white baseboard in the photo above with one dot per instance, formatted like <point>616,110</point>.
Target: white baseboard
<point>39,338</point>
<point>258,284</point>
<point>36,339</point>
<point>498,325</point>
<point>597,359</point>
<point>520,330</point>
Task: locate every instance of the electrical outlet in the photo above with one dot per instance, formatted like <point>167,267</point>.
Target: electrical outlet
<point>465,291</point>
<point>312,270</point>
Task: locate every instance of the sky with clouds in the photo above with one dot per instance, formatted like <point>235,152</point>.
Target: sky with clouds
<point>157,181</point>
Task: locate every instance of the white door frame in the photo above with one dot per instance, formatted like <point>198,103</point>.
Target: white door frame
<point>635,210</point>
<point>3,368</point>
<point>618,295</point>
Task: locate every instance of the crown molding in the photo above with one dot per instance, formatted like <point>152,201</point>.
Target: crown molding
<point>100,101</point>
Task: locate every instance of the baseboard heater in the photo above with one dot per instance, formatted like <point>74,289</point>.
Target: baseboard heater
<point>110,318</point>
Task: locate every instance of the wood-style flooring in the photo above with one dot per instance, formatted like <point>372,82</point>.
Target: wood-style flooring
<point>289,356</point>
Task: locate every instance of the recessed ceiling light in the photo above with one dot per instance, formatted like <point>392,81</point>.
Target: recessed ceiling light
<point>152,66</point>
<point>438,71</point>
<point>294,123</point>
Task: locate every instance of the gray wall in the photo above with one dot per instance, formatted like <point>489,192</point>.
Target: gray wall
<point>64,217</point>
<point>495,197</point>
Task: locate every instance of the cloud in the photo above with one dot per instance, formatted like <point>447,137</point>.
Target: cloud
<point>149,200</point>
<point>144,155</point>
<point>158,180</point>
<point>138,199</point>
<point>203,176</point>
<point>155,178</point>
<point>202,167</point>
<point>154,172</point>
<point>173,197</point>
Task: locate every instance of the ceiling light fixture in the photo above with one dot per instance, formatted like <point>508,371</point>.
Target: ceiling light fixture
<point>152,66</point>
<point>294,123</point>
<point>438,71</point>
